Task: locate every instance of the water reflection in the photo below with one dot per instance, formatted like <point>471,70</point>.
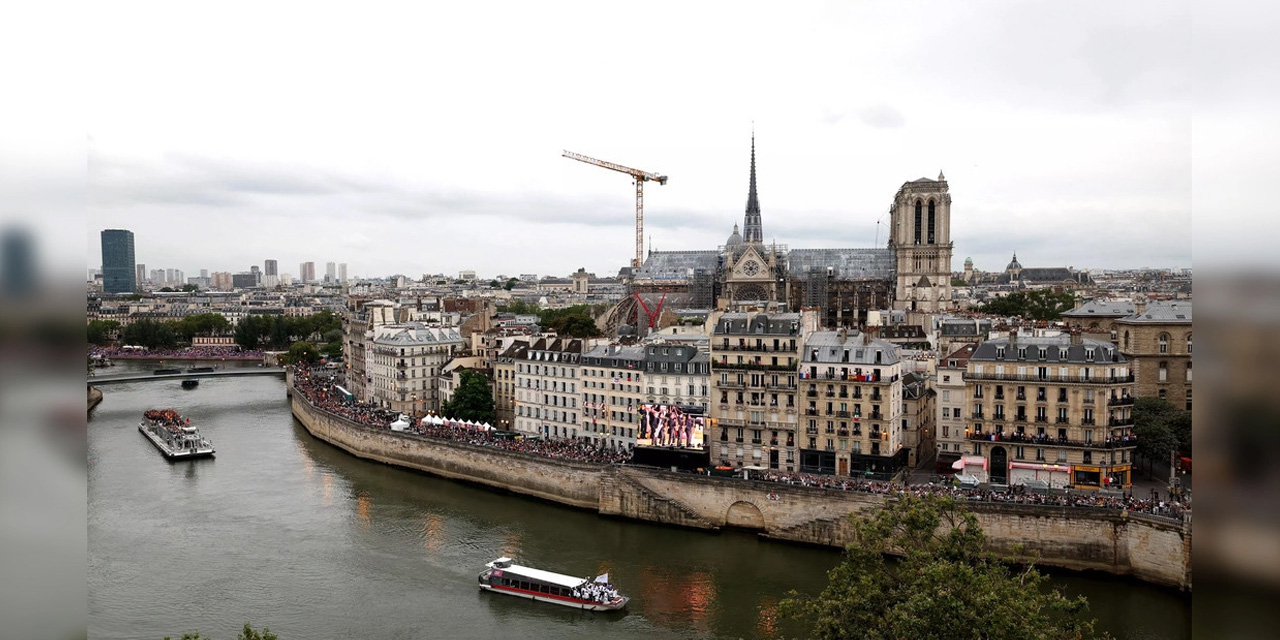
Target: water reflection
<point>362,510</point>
<point>433,534</point>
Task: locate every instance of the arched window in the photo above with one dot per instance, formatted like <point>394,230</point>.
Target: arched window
<point>1188,399</point>
<point>1188,371</point>
<point>1126,339</point>
<point>1164,371</point>
<point>1188,345</point>
<point>919,224</point>
<point>931,222</point>
<point>1164,343</point>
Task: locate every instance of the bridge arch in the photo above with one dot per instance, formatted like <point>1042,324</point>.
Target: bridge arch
<point>744,515</point>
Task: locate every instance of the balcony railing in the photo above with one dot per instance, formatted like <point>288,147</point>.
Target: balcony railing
<point>1123,400</point>
<point>1120,422</point>
<point>1013,377</point>
<point>811,393</point>
<point>842,414</point>
<point>751,347</point>
<point>1049,441</point>
<point>811,411</point>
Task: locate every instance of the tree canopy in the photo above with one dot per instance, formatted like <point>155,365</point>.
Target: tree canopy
<point>472,400</point>
<point>100,331</point>
<point>248,633</point>
<point>151,334</point>
<point>943,584</point>
<point>279,332</point>
<point>303,353</point>
<point>1161,428</point>
<point>1040,304</point>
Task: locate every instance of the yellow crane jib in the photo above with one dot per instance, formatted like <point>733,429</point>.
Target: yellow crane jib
<point>640,178</point>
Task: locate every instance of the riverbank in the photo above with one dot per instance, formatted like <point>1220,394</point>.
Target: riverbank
<point>95,397</point>
<point>1156,550</point>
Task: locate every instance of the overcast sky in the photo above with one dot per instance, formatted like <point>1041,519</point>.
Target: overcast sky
<point>426,137</point>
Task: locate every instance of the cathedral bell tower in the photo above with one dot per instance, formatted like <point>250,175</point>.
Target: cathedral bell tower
<point>921,243</point>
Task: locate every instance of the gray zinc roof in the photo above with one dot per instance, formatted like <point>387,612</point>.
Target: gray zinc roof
<point>1101,308</point>
<point>845,264</point>
<point>676,265</point>
<point>1054,347</point>
<point>1177,311</point>
<point>825,347</point>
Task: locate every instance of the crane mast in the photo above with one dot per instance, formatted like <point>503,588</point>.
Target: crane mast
<point>639,177</point>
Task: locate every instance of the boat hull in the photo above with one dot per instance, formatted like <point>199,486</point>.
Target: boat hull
<point>572,603</point>
<point>171,454</point>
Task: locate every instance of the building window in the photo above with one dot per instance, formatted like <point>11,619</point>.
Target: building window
<point>1188,399</point>
<point>1164,343</point>
<point>919,221</point>
<point>1188,371</point>
<point>1164,371</point>
<point>1162,394</point>
<point>1188,344</point>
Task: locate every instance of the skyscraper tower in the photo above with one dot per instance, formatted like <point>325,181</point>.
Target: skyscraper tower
<point>270,268</point>
<point>118,275</point>
<point>752,231</point>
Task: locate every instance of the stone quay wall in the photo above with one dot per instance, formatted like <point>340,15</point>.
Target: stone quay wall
<point>1152,549</point>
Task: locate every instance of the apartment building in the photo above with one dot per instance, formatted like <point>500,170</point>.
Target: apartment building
<point>1056,409</point>
<point>547,402</point>
<point>853,406</point>
<point>612,385</point>
<point>755,361</point>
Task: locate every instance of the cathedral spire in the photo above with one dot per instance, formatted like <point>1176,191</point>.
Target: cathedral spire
<point>752,231</point>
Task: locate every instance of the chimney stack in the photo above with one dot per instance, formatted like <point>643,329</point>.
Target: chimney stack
<point>1140,306</point>
<point>844,333</point>
<point>1013,336</point>
<point>1075,336</point>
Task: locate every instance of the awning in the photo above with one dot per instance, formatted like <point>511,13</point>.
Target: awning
<point>969,461</point>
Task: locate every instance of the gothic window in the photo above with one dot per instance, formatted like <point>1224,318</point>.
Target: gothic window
<point>1126,340</point>
<point>931,222</point>
<point>1164,371</point>
<point>1188,343</point>
<point>918,224</point>
<point>1164,343</point>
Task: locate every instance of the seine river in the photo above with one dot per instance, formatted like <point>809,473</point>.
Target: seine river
<point>284,531</point>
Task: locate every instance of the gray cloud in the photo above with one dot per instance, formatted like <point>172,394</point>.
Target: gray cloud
<point>881,116</point>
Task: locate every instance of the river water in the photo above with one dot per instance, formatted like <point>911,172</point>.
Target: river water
<point>285,531</point>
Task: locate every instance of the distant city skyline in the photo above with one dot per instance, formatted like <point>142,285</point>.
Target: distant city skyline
<point>1069,143</point>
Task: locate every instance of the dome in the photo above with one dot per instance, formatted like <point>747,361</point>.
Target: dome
<point>1014,264</point>
<point>735,238</point>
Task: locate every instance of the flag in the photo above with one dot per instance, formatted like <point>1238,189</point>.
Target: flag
<point>603,578</point>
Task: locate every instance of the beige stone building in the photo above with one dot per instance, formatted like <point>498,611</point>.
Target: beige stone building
<point>755,410</point>
<point>921,239</point>
<point>359,321</point>
<point>1157,340</point>
<point>407,363</point>
<point>1054,409</point>
<point>547,403</point>
<point>504,381</point>
<point>853,406</point>
<point>612,384</point>
<point>919,413</point>
<point>950,405</point>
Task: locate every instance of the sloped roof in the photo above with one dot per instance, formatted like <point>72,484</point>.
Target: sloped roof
<point>845,264</point>
<point>676,265</point>
<point>1178,311</point>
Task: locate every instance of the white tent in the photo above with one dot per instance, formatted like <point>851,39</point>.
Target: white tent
<point>400,424</point>
<point>487,427</point>
<point>437,420</point>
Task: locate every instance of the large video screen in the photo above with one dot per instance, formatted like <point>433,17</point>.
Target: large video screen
<point>664,425</point>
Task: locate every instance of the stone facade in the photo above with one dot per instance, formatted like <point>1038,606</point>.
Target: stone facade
<point>1152,549</point>
<point>1053,409</point>
<point>1157,338</point>
<point>547,402</point>
<point>612,384</point>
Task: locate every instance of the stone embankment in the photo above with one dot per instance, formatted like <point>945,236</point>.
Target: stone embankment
<point>95,397</point>
<point>1152,549</point>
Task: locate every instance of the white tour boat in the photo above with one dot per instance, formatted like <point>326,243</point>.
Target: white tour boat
<point>503,576</point>
<point>174,436</point>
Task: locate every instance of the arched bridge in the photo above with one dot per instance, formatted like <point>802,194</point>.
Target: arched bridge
<point>97,381</point>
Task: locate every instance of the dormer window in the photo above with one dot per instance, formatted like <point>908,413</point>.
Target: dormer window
<point>1022,353</point>
<point>1088,354</point>
<point>999,352</point>
<point>1044,354</point>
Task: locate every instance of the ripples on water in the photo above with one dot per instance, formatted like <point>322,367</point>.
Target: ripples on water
<point>284,531</point>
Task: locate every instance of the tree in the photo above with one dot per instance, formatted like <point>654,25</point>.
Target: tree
<point>1040,304</point>
<point>472,400</point>
<point>303,352</point>
<point>189,288</point>
<point>150,334</point>
<point>248,333</point>
<point>99,331</point>
<point>511,284</point>
<point>1161,428</point>
<point>943,584</point>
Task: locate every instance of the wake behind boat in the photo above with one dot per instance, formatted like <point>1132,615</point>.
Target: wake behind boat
<point>173,435</point>
<point>503,576</point>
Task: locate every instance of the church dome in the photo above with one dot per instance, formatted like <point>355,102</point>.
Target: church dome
<point>1014,264</point>
<point>735,238</point>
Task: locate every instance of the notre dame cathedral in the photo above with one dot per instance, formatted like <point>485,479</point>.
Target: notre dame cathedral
<point>912,273</point>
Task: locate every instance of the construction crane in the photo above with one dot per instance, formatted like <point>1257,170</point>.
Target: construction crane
<point>640,177</point>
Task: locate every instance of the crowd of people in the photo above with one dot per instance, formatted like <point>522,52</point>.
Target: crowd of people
<point>601,592</point>
<point>1177,509</point>
<point>320,387</point>
<point>188,353</point>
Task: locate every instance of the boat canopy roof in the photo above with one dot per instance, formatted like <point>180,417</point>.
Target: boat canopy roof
<point>543,576</point>
<point>188,429</point>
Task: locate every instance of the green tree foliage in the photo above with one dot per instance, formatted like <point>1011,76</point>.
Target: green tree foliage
<point>1161,428</point>
<point>190,288</point>
<point>522,308</point>
<point>203,324</point>
<point>278,332</point>
<point>511,284</point>
<point>472,400</point>
<point>958,282</point>
<point>575,321</point>
<point>943,585</point>
<point>303,353</point>
<point>150,334</point>
<point>1040,304</point>
<point>100,331</point>
<point>494,284</point>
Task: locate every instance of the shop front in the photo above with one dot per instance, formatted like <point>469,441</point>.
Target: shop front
<point>1057,476</point>
<point>1118,477</point>
<point>1086,477</point>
